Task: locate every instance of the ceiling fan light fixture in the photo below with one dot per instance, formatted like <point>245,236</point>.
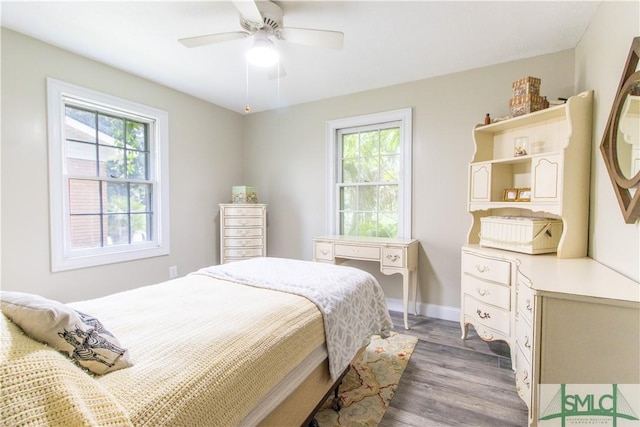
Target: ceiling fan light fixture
<point>263,53</point>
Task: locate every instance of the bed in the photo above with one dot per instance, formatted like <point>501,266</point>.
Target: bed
<point>256,342</point>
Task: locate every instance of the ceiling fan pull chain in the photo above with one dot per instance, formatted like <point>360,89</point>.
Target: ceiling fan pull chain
<point>247,109</point>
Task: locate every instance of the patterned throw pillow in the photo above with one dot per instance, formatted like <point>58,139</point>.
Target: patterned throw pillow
<point>81,336</point>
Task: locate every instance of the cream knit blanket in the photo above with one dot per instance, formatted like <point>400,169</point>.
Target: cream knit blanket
<point>351,300</point>
<point>205,351</point>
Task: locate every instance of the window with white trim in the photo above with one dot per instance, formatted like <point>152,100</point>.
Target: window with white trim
<point>369,175</point>
<point>108,177</point>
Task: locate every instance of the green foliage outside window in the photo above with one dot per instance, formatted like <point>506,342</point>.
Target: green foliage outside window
<point>370,170</point>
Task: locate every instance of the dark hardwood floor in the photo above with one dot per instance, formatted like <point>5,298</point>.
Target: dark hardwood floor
<point>454,382</point>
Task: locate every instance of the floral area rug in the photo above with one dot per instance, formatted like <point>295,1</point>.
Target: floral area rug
<point>369,385</point>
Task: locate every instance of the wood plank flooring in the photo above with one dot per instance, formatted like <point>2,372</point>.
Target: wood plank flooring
<point>454,382</point>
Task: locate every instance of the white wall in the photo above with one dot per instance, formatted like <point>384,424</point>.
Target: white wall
<point>285,159</point>
<point>284,156</point>
<point>600,59</point>
<point>205,148</point>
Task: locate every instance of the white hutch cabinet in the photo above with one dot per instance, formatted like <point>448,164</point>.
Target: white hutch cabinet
<point>567,319</point>
<point>243,231</point>
<point>555,168</point>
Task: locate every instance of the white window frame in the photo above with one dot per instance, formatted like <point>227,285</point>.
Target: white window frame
<point>405,180</point>
<point>63,257</point>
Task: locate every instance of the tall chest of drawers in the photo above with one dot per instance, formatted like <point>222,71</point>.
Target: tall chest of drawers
<point>243,231</point>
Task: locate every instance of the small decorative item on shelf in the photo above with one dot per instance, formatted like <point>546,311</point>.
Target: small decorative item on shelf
<point>500,119</point>
<point>526,97</point>
<point>487,119</point>
<point>526,86</point>
<point>524,195</point>
<point>244,194</point>
<point>510,195</point>
<point>520,146</point>
<point>536,147</point>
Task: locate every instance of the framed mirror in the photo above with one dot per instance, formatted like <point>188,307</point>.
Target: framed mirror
<point>620,145</point>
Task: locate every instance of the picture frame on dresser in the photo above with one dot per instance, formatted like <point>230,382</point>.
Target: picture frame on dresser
<point>524,195</point>
<point>510,195</point>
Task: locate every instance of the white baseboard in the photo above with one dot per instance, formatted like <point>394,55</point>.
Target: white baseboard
<point>428,310</point>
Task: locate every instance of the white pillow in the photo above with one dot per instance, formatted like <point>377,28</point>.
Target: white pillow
<point>79,335</point>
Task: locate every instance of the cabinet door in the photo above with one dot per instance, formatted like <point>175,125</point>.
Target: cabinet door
<point>545,178</point>
<point>480,183</point>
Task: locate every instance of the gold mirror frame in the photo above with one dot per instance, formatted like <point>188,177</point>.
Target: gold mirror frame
<point>627,189</point>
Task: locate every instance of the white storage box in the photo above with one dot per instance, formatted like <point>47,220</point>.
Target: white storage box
<point>521,234</point>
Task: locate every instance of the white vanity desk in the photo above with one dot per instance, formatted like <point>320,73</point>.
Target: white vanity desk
<point>567,321</point>
<point>393,255</point>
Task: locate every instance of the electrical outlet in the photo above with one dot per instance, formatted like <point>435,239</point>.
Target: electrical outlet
<point>173,272</point>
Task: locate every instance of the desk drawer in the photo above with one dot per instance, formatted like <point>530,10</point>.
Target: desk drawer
<point>323,251</point>
<point>485,268</point>
<point>523,377</point>
<point>524,338</point>
<point>359,252</point>
<point>488,315</point>
<point>487,292</point>
<point>525,302</point>
<point>393,257</point>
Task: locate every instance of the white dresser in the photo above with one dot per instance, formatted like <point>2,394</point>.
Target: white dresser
<point>567,321</point>
<point>243,231</point>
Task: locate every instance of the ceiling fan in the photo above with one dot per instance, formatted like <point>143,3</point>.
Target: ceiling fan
<point>263,20</point>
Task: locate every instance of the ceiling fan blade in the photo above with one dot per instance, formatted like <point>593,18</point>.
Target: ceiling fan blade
<point>307,36</point>
<point>276,72</point>
<point>249,11</point>
<point>212,38</point>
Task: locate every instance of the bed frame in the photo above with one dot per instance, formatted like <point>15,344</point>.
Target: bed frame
<point>298,409</point>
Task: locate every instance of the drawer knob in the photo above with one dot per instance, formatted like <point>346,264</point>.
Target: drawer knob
<point>393,258</point>
<point>529,306</point>
<point>482,315</point>
<point>482,292</point>
<point>482,268</point>
<point>525,378</point>
<point>324,251</point>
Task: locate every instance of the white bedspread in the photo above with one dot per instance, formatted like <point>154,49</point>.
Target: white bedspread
<point>351,300</point>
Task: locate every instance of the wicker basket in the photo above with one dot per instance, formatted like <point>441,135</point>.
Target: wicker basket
<point>521,234</point>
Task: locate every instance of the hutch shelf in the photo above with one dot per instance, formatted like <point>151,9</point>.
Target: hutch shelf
<point>555,167</point>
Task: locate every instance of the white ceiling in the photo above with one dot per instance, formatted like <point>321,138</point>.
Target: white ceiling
<point>385,42</point>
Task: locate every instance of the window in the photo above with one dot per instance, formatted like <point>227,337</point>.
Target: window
<point>370,175</point>
<point>108,178</point>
